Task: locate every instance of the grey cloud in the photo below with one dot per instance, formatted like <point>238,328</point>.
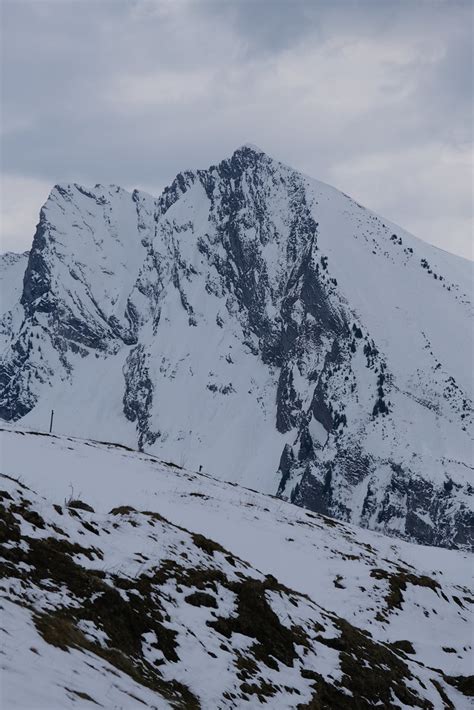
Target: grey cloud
<point>131,92</point>
<point>268,26</point>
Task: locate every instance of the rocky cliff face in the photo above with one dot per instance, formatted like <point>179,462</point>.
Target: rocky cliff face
<point>261,324</point>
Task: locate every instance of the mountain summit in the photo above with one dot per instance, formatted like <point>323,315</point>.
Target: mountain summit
<point>259,324</point>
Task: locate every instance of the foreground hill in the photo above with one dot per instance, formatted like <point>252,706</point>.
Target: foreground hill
<point>259,323</point>
<point>127,581</point>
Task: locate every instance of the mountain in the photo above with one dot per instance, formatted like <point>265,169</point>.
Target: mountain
<point>130,582</point>
<point>263,326</point>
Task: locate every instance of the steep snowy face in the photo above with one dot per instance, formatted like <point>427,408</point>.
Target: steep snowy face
<point>254,321</point>
<point>84,260</point>
<point>12,268</point>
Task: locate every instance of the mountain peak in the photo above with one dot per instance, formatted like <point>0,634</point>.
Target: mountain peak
<point>250,149</point>
<point>249,146</point>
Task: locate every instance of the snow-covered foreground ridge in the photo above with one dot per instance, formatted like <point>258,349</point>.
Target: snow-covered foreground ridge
<point>258,323</point>
<point>179,590</point>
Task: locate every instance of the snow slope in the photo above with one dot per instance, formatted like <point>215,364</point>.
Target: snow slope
<point>255,321</point>
<point>286,608</point>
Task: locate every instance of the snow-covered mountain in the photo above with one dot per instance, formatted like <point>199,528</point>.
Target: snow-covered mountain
<point>259,324</point>
<point>127,582</point>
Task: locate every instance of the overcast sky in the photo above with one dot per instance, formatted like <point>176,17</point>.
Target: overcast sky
<point>373,97</point>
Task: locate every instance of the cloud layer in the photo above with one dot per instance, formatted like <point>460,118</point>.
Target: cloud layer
<point>374,98</point>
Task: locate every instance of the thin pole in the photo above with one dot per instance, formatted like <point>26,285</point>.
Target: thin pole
<point>51,421</point>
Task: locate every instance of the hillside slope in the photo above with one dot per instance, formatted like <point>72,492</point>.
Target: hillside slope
<point>215,596</point>
<point>255,321</point>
